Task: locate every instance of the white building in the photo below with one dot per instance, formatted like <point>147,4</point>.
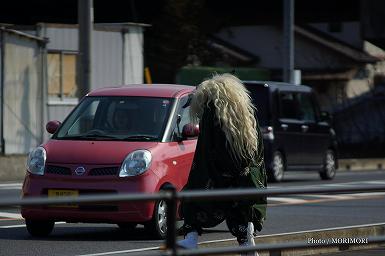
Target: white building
<point>39,75</point>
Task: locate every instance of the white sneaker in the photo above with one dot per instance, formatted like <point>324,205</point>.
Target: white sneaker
<point>190,241</point>
<point>250,240</point>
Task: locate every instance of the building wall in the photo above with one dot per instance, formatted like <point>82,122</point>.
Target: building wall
<point>117,58</point>
<point>266,42</point>
<point>61,38</point>
<point>350,32</point>
<point>107,59</point>
<point>22,94</point>
<point>133,56</point>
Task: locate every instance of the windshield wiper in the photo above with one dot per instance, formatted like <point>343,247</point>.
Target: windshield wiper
<point>141,137</point>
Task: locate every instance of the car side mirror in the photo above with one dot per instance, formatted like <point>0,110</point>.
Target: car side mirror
<point>52,126</point>
<point>190,130</point>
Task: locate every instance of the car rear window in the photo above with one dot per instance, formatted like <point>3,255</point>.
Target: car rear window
<point>260,98</point>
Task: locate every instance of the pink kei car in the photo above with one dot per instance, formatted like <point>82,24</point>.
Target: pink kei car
<point>137,138</point>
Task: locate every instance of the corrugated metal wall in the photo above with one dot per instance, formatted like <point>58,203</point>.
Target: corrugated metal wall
<point>22,94</point>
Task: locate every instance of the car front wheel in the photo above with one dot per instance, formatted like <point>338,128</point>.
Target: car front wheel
<point>39,228</point>
<point>277,167</point>
<point>158,225</point>
<point>329,166</point>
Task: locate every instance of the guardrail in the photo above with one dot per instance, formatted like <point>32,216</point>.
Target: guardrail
<point>171,197</point>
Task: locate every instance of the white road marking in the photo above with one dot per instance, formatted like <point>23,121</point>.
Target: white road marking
<point>337,185</point>
<point>124,251</point>
<point>376,182</point>
<point>10,215</point>
<point>11,186</point>
<point>368,194</point>
<point>300,232</point>
<point>13,226</point>
<point>233,239</point>
<point>286,199</point>
<point>339,197</point>
<point>23,225</point>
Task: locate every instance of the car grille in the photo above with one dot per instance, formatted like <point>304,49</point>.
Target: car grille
<point>104,171</point>
<point>58,170</point>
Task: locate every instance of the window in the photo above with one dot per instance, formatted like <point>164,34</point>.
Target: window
<point>117,118</point>
<point>260,98</point>
<point>289,105</point>
<point>307,112</point>
<point>62,75</point>
<point>184,112</point>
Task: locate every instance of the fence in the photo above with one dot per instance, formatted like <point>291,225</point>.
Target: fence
<point>171,197</point>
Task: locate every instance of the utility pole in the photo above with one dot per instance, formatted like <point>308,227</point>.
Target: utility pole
<point>85,20</point>
<point>288,41</point>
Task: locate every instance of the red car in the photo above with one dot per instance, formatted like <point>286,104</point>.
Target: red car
<point>137,138</point>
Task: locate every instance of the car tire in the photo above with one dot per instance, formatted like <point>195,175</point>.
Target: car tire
<point>277,168</point>
<point>157,227</point>
<point>127,226</point>
<point>329,166</point>
<point>39,228</point>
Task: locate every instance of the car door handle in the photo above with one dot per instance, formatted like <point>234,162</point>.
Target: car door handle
<point>304,128</point>
<point>284,126</point>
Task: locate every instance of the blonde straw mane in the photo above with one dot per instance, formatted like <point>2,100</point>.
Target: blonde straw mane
<point>234,110</point>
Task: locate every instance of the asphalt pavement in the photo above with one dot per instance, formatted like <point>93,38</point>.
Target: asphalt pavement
<point>287,216</point>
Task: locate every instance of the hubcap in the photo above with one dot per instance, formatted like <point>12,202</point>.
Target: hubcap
<point>162,218</point>
<point>330,164</point>
<point>278,166</point>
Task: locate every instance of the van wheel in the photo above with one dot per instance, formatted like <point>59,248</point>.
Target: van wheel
<point>277,167</point>
<point>158,225</point>
<point>329,166</point>
<point>39,228</point>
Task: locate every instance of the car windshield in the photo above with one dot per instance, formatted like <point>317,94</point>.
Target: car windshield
<point>117,118</point>
<point>260,99</point>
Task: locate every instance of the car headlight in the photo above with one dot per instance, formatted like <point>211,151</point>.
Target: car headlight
<point>135,163</point>
<point>36,161</point>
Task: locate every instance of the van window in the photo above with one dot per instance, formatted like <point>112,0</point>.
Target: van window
<point>260,98</point>
<point>289,105</point>
<point>307,112</point>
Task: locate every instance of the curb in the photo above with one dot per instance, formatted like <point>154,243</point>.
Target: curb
<point>330,235</point>
<point>355,164</point>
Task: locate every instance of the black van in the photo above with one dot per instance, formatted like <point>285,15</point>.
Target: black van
<point>297,135</point>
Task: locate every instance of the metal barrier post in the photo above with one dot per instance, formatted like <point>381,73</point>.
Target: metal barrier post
<point>171,221</point>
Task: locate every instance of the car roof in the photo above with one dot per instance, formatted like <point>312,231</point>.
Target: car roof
<point>144,90</point>
<point>281,86</point>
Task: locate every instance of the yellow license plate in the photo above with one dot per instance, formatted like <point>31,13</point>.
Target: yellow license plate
<point>61,193</point>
